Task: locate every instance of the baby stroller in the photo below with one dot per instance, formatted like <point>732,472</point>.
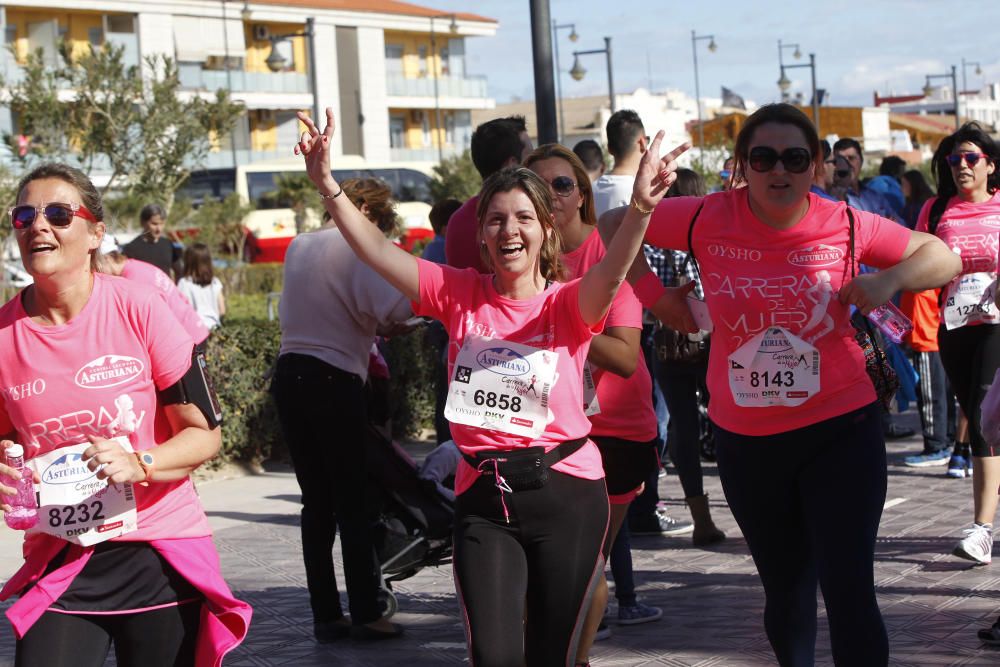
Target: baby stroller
<point>414,524</point>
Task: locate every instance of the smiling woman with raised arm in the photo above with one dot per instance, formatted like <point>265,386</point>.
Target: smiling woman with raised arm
<point>532,508</point>
<point>798,436</point>
<point>118,415</point>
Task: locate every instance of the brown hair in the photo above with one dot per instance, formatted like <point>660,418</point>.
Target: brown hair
<point>783,114</point>
<point>588,212</point>
<point>198,264</point>
<point>537,190</point>
<point>378,196</point>
<point>89,196</point>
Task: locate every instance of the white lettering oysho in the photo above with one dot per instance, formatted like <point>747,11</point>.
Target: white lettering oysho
<point>729,252</point>
<point>25,390</point>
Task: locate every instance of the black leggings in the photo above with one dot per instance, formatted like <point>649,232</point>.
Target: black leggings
<point>547,557</point>
<point>160,638</point>
<point>679,383</point>
<point>971,356</point>
<point>809,502</point>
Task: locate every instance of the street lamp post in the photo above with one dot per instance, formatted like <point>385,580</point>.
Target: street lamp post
<point>541,53</point>
<point>578,72</point>
<point>954,90</point>
<point>781,62</point>
<point>277,62</point>
<point>697,90</point>
<point>965,81</point>
<point>784,84</point>
<point>555,41</point>
<point>435,64</point>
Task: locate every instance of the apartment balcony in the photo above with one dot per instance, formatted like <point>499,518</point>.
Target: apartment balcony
<point>226,158</point>
<point>194,77</point>
<point>421,154</point>
<point>453,92</point>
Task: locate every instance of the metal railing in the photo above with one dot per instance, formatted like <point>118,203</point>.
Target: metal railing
<point>400,86</point>
<point>194,77</point>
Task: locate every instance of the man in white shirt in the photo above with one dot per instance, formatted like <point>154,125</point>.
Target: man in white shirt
<point>627,141</point>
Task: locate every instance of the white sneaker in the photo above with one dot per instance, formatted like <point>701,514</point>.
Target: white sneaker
<point>977,545</point>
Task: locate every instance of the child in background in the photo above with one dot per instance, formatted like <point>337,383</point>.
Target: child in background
<point>200,286</point>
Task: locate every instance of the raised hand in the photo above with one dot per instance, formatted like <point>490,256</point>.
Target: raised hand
<point>314,146</point>
<point>656,174</point>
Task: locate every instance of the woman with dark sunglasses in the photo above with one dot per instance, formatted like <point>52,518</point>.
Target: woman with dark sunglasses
<point>966,216</point>
<point>106,396</point>
<point>798,435</point>
<point>620,396</point>
<point>531,509</point>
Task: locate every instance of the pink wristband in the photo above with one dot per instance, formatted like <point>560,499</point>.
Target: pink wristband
<point>649,289</point>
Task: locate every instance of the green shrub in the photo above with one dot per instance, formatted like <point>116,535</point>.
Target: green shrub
<point>240,355</point>
<point>252,278</point>
<point>411,387</point>
<point>247,307</point>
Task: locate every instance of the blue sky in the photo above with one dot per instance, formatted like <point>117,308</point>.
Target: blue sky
<point>859,46</point>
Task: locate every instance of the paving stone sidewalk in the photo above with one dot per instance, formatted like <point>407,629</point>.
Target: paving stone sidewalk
<point>932,602</point>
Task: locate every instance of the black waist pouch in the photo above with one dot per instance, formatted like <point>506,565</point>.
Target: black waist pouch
<point>522,469</point>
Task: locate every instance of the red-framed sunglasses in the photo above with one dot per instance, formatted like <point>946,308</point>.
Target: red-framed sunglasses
<point>955,159</point>
<point>57,213</point>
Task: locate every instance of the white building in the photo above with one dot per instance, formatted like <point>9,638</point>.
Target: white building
<point>980,105</point>
<point>394,72</point>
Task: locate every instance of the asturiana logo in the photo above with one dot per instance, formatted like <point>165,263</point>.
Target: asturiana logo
<point>816,256</point>
<point>67,469</point>
<point>108,371</point>
<point>503,361</point>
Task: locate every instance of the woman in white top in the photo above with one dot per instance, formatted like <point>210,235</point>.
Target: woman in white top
<point>200,286</point>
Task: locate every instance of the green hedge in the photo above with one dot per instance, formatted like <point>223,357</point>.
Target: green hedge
<point>241,354</point>
<point>252,278</point>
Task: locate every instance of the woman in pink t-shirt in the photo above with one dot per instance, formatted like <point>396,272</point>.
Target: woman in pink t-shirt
<point>102,393</point>
<point>532,507</point>
<point>966,216</point>
<point>798,437</point>
<point>623,424</point>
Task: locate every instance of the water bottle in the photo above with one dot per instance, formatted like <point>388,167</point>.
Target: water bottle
<point>893,323</point>
<point>24,509</point>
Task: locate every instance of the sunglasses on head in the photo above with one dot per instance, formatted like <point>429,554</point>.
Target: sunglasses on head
<point>955,159</point>
<point>58,214</point>
<point>795,160</point>
<point>563,185</point>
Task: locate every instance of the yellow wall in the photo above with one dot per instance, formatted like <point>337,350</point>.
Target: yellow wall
<point>258,50</point>
<point>263,130</point>
<point>77,25</point>
<point>411,54</point>
<point>413,133</point>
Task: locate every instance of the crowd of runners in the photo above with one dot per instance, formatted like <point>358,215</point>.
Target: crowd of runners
<point>576,307</point>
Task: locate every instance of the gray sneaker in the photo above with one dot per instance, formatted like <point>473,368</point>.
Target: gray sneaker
<point>672,526</point>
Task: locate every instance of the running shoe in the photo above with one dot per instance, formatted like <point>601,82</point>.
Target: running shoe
<point>977,545</point>
<point>672,526</point>
<point>957,466</point>
<point>990,636</point>
<point>927,459</point>
<point>637,613</point>
<point>603,632</point>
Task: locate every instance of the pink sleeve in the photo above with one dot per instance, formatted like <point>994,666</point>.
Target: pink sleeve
<point>438,283</point>
<point>923,219</point>
<point>880,241</point>
<point>567,303</point>
<point>625,311</point>
<point>168,344</point>
<point>668,227</point>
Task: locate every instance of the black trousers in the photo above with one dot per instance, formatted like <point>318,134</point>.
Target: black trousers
<point>323,417</point>
<point>159,638</point>
<point>971,356</point>
<point>809,502</point>
<point>525,586</point>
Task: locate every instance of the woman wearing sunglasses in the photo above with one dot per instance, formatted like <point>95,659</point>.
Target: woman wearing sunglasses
<point>531,509</point>
<point>798,435</point>
<point>966,216</point>
<point>101,374</point>
<point>623,424</point>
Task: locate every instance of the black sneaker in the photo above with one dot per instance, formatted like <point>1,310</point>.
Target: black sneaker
<point>990,636</point>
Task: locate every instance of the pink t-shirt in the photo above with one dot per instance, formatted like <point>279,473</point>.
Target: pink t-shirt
<point>756,277</point>
<point>98,374</point>
<point>461,247</point>
<point>146,273</point>
<point>972,230</point>
<point>626,403</point>
<point>466,303</point>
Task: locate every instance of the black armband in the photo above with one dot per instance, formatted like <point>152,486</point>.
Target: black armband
<point>196,387</point>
